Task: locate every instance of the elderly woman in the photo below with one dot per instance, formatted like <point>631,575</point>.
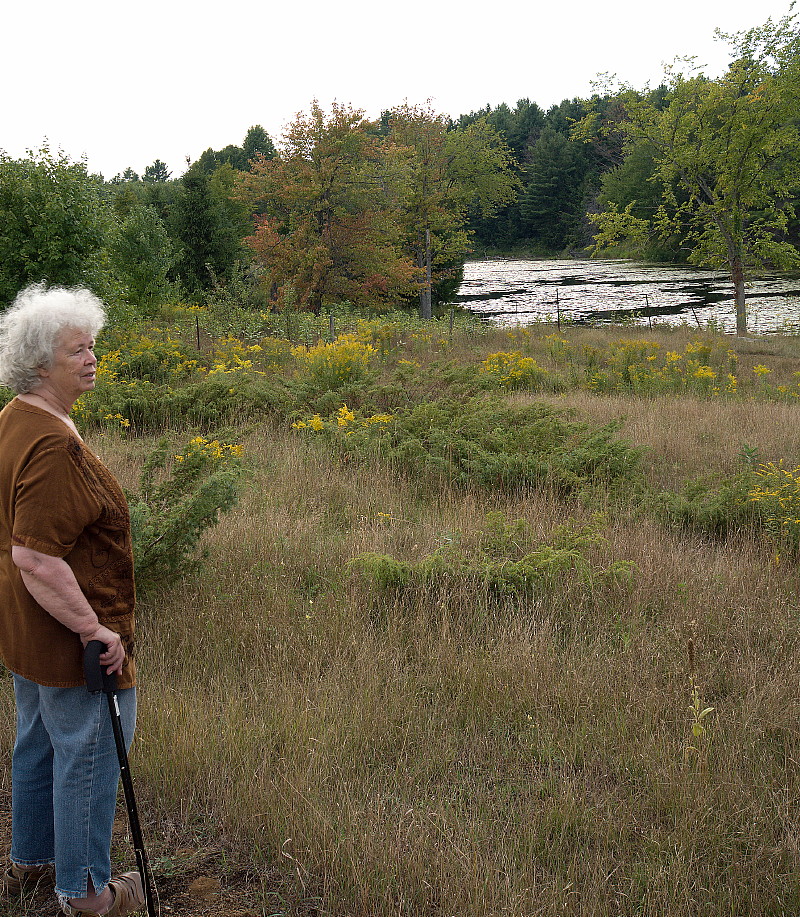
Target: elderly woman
<point>66,578</point>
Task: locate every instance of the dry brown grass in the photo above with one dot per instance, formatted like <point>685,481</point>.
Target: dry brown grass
<point>444,752</point>
<point>532,757</point>
<point>686,436</point>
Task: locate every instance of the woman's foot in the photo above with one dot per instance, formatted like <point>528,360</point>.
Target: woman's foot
<point>124,895</point>
<point>93,904</point>
<point>19,879</point>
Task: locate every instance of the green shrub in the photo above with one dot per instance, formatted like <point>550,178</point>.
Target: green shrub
<point>383,571</point>
<point>217,400</point>
<point>206,402</point>
<point>503,560</point>
<point>381,333</point>
<point>512,371</point>
<point>485,442</point>
<point>641,366</point>
<point>775,495</point>
<point>181,495</point>
<point>716,504</point>
<point>149,359</point>
<point>330,366</point>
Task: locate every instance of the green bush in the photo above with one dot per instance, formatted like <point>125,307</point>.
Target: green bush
<point>645,368</point>
<point>775,496</point>
<point>384,572</point>
<point>485,442</point>
<point>328,367</point>
<point>220,400</point>
<point>513,371</point>
<point>207,402</point>
<point>503,560</point>
<point>149,359</point>
<point>181,495</point>
<point>715,504</point>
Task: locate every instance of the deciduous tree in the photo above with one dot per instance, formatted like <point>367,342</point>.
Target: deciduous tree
<point>454,170</point>
<point>727,156</point>
<point>53,222</point>
<point>327,229</point>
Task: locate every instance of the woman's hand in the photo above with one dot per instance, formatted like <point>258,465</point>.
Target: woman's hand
<point>114,656</point>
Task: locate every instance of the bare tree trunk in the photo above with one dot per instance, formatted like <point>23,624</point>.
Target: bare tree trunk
<point>424,260</point>
<point>733,242</point>
<point>737,274</point>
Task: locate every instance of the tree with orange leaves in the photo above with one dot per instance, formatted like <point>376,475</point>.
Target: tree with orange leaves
<point>328,205</point>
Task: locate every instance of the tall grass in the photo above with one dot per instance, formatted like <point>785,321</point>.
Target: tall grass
<point>451,750</point>
<point>454,753</point>
<point>687,435</point>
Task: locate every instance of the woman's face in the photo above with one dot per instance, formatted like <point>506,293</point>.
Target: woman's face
<point>74,366</point>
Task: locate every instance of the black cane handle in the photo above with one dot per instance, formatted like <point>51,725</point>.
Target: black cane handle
<point>97,678</point>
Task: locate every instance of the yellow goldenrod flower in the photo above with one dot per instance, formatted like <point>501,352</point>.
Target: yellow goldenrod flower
<point>344,416</point>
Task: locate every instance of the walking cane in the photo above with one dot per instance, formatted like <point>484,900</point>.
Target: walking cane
<point>98,679</point>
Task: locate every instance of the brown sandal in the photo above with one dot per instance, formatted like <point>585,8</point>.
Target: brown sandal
<point>128,897</point>
<point>19,879</point>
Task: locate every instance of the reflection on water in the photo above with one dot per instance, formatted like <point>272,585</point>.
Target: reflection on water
<point>511,291</point>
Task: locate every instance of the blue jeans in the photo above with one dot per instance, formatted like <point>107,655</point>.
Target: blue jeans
<point>64,779</point>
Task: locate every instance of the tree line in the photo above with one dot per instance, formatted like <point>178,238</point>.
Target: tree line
<point>345,209</point>
<point>379,212</point>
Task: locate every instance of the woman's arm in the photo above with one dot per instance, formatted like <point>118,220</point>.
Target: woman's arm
<point>52,583</point>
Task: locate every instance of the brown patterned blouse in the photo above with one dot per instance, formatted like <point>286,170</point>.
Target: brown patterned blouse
<point>57,497</point>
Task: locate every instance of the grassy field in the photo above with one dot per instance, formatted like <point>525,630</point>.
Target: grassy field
<point>488,716</point>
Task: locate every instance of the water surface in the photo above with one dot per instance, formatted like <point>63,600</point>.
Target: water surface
<point>509,291</point>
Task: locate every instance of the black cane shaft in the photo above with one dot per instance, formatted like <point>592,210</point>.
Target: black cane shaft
<point>130,802</point>
<point>97,679</point>
<point>125,772</point>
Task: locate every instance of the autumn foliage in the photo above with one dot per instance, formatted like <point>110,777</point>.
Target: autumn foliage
<point>343,207</point>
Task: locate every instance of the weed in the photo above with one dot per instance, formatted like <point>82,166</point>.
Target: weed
<point>181,495</point>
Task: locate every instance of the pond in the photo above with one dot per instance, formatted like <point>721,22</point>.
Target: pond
<point>509,291</point>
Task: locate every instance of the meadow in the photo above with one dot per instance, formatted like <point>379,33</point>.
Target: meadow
<point>484,622</point>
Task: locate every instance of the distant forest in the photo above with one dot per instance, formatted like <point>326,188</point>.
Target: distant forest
<point>564,179</point>
<point>380,213</point>
<point>561,179</point>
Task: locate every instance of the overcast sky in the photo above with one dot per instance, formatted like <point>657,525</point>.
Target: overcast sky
<point>124,84</point>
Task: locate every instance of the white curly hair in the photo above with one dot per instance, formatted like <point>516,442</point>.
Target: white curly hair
<point>31,327</point>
